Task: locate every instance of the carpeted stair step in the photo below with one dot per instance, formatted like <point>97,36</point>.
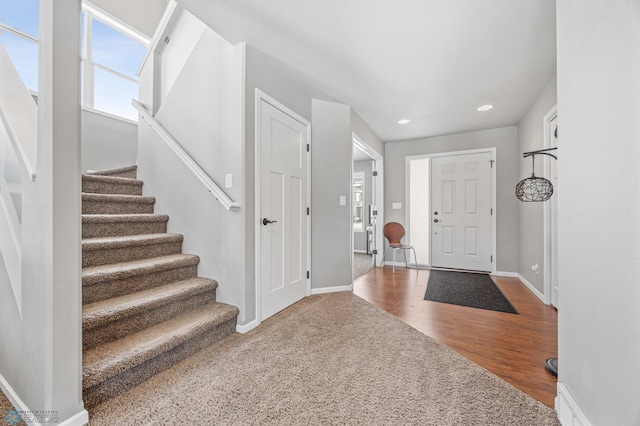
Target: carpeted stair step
<point>116,204</point>
<point>103,251</point>
<point>107,281</point>
<point>130,172</point>
<point>97,184</point>
<point>106,225</point>
<point>110,369</point>
<point>115,318</point>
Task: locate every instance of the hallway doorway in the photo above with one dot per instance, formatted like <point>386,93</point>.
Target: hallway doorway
<point>451,209</point>
<point>366,206</point>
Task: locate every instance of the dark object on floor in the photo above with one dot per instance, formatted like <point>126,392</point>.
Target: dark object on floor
<point>551,365</point>
<point>467,289</point>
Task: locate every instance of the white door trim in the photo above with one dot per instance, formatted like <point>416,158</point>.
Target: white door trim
<point>494,206</point>
<point>379,160</point>
<point>546,123</point>
<point>262,96</point>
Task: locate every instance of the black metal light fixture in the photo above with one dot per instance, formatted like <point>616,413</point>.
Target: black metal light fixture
<point>535,188</point>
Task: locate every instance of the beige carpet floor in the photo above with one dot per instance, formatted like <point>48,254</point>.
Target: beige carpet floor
<point>330,359</point>
<point>5,407</point>
<point>362,264</point>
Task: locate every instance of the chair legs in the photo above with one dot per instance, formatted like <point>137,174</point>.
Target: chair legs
<point>406,258</point>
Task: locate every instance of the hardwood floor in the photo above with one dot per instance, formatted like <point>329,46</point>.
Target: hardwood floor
<point>513,347</point>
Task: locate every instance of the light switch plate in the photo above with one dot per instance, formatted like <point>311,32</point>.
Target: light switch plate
<point>228,180</point>
<point>343,200</point>
<point>396,206</point>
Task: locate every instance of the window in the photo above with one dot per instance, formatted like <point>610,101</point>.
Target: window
<point>19,36</point>
<point>111,54</point>
<point>358,202</point>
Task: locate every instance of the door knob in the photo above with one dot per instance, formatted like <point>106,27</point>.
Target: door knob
<point>266,221</point>
<point>436,220</point>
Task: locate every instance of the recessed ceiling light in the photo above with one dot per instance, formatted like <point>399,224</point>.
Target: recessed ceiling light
<point>485,107</point>
<point>404,121</point>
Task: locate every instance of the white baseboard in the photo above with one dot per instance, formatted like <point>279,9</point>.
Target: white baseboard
<point>247,327</point>
<point>326,290</point>
<point>80,419</point>
<point>532,288</point>
<point>569,412</point>
<point>505,274</point>
<point>12,396</point>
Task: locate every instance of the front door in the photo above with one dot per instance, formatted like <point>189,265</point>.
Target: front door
<point>461,209</point>
<point>283,209</point>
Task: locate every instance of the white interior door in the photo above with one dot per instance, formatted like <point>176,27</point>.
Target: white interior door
<point>461,209</point>
<point>283,209</point>
<point>553,177</point>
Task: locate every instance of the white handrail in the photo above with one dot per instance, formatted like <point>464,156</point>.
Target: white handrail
<point>202,176</point>
<point>19,114</point>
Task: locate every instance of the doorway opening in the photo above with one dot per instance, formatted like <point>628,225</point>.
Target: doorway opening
<point>451,209</point>
<point>366,206</point>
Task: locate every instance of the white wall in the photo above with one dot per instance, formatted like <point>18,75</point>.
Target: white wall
<point>40,347</point>
<point>505,140</point>
<point>203,112</point>
<point>187,31</point>
<point>331,177</point>
<point>531,230</point>
<point>107,142</point>
<point>599,224</point>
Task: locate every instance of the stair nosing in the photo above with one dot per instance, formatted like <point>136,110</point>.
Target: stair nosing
<point>154,339</point>
<point>133,268</point>
<point>126,217</point>
<point>107,311</point>
<point>112,179</point>
<point>118,198</point>
<point>117,170</point>
<point>117,242</point>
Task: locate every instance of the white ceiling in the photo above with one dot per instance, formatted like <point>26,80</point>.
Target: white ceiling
<point>431,61</point>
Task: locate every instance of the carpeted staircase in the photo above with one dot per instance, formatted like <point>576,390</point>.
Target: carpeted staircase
<point>144,307</point>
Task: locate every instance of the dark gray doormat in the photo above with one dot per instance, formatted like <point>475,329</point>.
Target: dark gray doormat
<point>467,289</point>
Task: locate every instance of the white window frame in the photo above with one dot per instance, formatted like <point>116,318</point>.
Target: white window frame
<point>91,13</point>
<point>361,228</point>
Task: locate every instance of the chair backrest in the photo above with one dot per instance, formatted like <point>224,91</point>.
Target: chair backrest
<point>394,232</point>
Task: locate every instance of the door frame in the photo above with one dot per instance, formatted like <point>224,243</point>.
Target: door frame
<point>548,238</point>
<point>494,205</point>
<point>378,159</point>
<point>259,97</point>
